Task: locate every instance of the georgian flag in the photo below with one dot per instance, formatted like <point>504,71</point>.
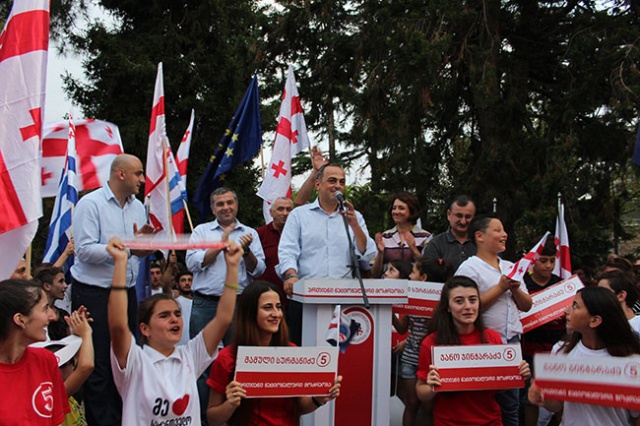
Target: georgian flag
<point>523,265</point>
<point>163,190</point>
<point>291,138</point>
<point>182,159</point>
<point>97,144</point>
<point>563,255</point>
<point>60,226</point>
<point>24,44</point>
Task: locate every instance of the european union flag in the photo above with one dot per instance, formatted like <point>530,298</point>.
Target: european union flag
<point>240,143</point>
<point>636,150</point>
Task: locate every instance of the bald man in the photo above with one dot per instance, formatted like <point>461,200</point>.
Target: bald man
<point>111,211</point>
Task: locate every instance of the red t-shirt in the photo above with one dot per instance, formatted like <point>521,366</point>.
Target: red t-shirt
<point>463,407</point>
<point>33,390</point>
<point>266,411</point>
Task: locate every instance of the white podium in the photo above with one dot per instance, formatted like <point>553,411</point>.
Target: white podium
<point>366,365</point>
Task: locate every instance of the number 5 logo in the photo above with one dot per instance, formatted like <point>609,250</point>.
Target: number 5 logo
<point>42,400</point>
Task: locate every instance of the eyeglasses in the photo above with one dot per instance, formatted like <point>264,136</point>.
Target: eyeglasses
<point>463,216</point>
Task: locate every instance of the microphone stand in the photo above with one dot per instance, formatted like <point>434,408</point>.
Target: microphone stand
<point>355,268</point>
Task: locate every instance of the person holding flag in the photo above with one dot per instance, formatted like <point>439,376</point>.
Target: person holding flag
<point>502,298</point>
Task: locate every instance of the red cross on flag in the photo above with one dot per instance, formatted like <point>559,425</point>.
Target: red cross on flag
<point>24,44</point>
<point>163,189</point>
<point>291,139</point>
<point>182,159</point>
<point>97,144</point>
<point>523,265</point>
<point>563,255</point>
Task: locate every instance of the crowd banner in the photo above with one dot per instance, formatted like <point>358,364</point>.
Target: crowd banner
<point>611,381</point>
<point>286,371</point>
<point>478,367</point>
<point>423,297</point>
<point>179,242</point>
<point>550,303</point>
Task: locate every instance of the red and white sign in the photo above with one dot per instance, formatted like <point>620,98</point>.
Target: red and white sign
<point>179,242</point>
<point>423,297</point>
<point>611,381</point>
<point>478,367</point>
<point>335,291</point>
<point>284,371</point>
<point>550,303</point>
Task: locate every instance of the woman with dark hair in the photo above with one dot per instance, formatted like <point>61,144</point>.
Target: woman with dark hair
<point>599,329</point>
<point>158,381</point>
<point>34,390</point>
<point>502,298</point>
<point>457,321</point>
<point>258,323</point>
<point>405,240</point>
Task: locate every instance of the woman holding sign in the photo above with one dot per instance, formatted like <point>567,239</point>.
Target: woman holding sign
<point>157,382</point>
<point>456,321</point>
<point>599,330</point>
<point>258,323</point>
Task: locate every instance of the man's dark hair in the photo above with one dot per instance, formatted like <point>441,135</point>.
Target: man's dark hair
<point>461,200</point>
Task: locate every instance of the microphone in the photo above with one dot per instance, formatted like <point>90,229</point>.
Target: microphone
<point>340,197</point>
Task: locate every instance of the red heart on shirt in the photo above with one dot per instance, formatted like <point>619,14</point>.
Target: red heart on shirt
<point>180,405</point>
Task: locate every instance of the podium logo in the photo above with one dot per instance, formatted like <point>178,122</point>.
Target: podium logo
<point>362,318</point>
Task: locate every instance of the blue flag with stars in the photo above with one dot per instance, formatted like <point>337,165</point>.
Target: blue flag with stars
<point>240,143</point>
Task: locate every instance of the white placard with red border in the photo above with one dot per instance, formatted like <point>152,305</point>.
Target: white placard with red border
<point>341,291</point>
<point>550,303</point>
<point>478,367</point>
<point>610,381</point>
<point>286,371</point>
<point>423,298</point>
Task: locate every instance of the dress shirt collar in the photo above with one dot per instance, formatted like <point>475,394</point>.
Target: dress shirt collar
<point>156,356</point>
<point>215,225</point>
<point>108,195</point>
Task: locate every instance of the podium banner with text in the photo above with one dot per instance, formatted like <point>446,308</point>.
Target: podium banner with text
<point>550,303</point>
<point>423,297</point>
<point>611,381</point>
<point>285,371</point>
<point>478,367</point>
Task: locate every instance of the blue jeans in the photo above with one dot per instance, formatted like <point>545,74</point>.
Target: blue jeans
<point>509,400</point>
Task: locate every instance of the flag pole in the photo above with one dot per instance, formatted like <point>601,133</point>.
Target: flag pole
<point>559,201</point>
<point>186,209</point>
<point>166,182</point>
<point>27,259</point>
<point>262,160</point>
<point>495,205</point>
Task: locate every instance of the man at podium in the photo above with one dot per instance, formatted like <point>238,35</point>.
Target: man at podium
<point>314,244</point>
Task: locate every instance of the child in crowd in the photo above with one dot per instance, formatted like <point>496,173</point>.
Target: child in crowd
<point>435,270</point>
<point>598,329</point>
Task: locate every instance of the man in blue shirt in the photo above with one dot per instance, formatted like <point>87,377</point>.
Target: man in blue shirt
<point>111,211</point>
<point>314,244</point>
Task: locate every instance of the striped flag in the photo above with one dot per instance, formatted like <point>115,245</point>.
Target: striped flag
<point>523,265</point>
<point>60,226</point>
<point>182,159</point>
<point>163,190</point>
<point>291,139</point>
<point>342,329</point>
<point>563,255</point>
<point>24,45</point>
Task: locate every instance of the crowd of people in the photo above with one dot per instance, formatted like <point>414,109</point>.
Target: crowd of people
<point>95,350</point>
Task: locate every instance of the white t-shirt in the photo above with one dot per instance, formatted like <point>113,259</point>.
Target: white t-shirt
<point>161,390</point>
<point>503,316</point>
<point>185,308</point>
<point>576,414</point>
<point>635,324</point>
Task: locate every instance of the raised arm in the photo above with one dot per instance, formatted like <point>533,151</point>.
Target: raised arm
<point>78,321</point>
<point>117,309</point>
<point>217,327</point>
